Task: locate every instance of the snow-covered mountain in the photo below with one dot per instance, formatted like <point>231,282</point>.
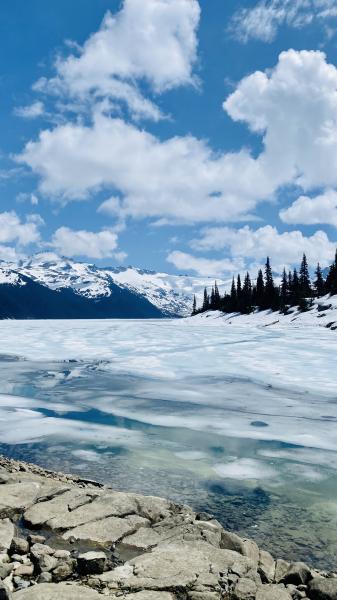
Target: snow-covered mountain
<point>171,295</point>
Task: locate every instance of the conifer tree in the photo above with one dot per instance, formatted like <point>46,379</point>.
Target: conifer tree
<point>284,292</point>
<point>319,283</point>
<point>233,297</point>
<point>217,297</point>
<point>331,280</point>
<point>194,309</point>
<point>246,302</point>
<point>270,292</point>
<point>205,304</point>
<point>259,290</point>
<point>295,289</point>
<point>304,279</point>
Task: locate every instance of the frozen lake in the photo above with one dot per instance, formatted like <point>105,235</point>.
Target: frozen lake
<point>241,422</point>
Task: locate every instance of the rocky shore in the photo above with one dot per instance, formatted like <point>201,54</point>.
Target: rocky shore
<point>67,538</point>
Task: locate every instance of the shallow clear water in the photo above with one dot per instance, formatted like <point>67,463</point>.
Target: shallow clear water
<point>241,423</point>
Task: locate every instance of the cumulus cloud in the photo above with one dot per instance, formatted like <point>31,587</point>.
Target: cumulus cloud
<point>294,107</point>
<point>321,209</point>
<point>182,180</point>
<point>69,242</point>
<point>155,41</point>
<point>13,229</point>
<point>203,266</point>
<point>262,21</point>
<point>32,111</point>
<point>253,246</point>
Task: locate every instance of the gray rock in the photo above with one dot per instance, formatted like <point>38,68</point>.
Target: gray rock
<point>151,596</point>
<point>24,571</point>
<point>15,497</point>
<point>281,568</point>
<point>46,563</point>
<point>4,477</point>
<point>245,589</point>
<point>106,531</point>
<point>63,571</point>
<point>19,546</point>
<point>176,565</point>
<point>272,592</point>
<point>5,569</point>
<point>266,567</point>
<point>322,589</point>
<point>5,594</point>
<point>45,578</point>
<point>63,554</point>
<point>6,533</point>
<point>36,539</point>
<point>57,591</point>
<point>297,574</point>
<point>91,563</point>
<point>231,541</point>
<point>41,550</point>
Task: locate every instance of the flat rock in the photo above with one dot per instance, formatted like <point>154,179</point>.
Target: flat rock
<point>322,589</point>
<point>106,531</point>
<point>272,592</point>
<point>176,565</point>
<point>60,591</point>
<point>6,534</point>
<point>15,497</point>
<point>245,589</point>
<point>150,596</point>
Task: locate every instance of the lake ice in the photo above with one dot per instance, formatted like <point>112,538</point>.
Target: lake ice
<point>239,421</point>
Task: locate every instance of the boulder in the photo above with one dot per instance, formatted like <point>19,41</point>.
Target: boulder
<point>151,596</point>
<point>91,563</point>
<point>6,534</point>
<point>5,594</point>
<point>63,571</point>
<point>19,546</point>
<point>272,592</point>
<point>231,541</point>
<point>60,591</point>
<point>266,567</point>
<point>245,589</point>
<point>297,574</point>
<point>322,589</point>
<point>281,568</point>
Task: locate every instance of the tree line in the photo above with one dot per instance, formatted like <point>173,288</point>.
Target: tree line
<point>296,289</point>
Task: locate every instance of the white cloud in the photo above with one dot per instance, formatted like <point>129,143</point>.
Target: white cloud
<point>321,209</point>
<point>69,242</point>
<point>265,18</point>
<point>31,111</point>
<point>12,229</point>
<point>203,266</point>
<point>254,246</point>
<point>152,40</point>
<point>294,107</point>
<point>181,180</point>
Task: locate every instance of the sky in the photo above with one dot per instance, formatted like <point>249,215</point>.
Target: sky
<point>184,136</point>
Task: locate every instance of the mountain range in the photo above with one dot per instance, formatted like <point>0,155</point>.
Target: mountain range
<point>46,286</point>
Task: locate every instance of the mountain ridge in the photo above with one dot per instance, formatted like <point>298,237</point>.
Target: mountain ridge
<point>95,291</point>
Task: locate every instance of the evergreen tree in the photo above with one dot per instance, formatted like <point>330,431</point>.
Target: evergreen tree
<point>331,280</point>
<point>246,302</point>
<point>238,294</point>
<point>212,300</point>
<point>319,283</point>
<point>233,297</point>
<point>295,295</point>
<point>217,297</point>
<point>284,291</point>
<point>270,292</point>
<point>259,294</point>
<point>304,279</point>
<point>206,302</point>
<point>194,310</point>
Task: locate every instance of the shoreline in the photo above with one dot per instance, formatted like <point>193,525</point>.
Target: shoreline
<point>66,537</point>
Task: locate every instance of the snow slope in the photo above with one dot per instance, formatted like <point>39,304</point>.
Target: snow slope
<point>323,313</point>
<point>172,294</point>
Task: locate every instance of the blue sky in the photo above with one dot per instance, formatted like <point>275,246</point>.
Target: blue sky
<point>176,135</point>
